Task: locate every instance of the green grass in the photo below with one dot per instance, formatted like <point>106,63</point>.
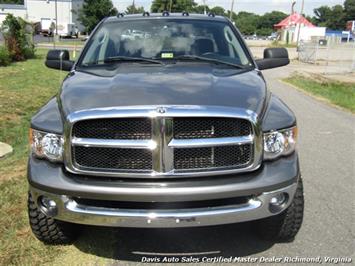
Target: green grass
<point>24,88</point>
<point>340,94</point>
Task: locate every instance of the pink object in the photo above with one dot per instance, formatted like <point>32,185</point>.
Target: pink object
<point>293,20</point>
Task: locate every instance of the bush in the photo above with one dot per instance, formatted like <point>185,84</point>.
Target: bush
<point>18,38</point>
<point>5,59</point>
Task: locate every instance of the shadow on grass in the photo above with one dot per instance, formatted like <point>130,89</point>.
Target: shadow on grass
<point>131,244</point>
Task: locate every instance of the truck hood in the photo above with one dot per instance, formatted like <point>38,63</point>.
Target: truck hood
<point>188,84</point>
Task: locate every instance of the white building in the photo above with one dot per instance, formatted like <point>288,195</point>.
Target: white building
<point>39,10</point>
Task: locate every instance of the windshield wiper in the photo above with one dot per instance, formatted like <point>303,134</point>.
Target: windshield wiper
<point>123,59</point>
<point>205,59</point>
<point>131,59</point>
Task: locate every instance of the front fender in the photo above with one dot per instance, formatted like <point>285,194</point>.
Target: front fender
<point>48,118</point>
<point>278,115</point>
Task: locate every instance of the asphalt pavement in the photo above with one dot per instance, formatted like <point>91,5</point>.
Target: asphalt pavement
<point>327,152</point>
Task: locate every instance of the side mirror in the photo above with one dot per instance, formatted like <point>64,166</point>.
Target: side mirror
<point>273,57</point>
<point>59,59</point>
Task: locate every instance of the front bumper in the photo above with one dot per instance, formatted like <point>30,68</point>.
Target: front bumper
<point>273,178</point>
<point>67,209</point>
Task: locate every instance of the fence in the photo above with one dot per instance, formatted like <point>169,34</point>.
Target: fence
<point>333,57</point>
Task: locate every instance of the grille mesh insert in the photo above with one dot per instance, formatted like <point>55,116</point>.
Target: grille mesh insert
<point>112,158</point>
<point>197,128</point>
<point>113,128</point>
<point>228,156</point>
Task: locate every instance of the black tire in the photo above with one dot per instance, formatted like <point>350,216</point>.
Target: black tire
<point>284,226</point>
<point>49,230</point>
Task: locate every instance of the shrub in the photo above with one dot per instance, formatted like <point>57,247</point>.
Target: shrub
<point>5,59</point>
<point>18,38</point>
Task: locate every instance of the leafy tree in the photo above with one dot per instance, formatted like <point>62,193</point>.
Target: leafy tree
<point>349,10</point>
<point>330,17</point>
<point>176,5</point>
<point>17,2</point>
<point>200,9</point>
<point>93,11</point>
<point>133,9</point>
<point>311,19</point>
<point>218,11</point>
<point>322,15</point>
<point>337,20</point>
<point>264,31</point>
<point>268,20</point>
<point>18,38</point>
<point>234,15</point>
<point>5,58</point>
<point>247,22</point>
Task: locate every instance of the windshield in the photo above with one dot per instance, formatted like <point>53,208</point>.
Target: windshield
<point>165,39</point>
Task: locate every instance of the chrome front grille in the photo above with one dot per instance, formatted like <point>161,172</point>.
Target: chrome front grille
<point>112,158</point>
<point>175,142</point>
<point>200,128</point>
<point>114,128</point>
<point>237,156</point>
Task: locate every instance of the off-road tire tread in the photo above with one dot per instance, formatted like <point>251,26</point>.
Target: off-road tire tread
<point>285,226</point>
<point>47,229</point>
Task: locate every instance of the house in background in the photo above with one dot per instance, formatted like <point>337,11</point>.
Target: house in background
<point>16,10</point>
<point>297,28</point>
<point>44,13</point>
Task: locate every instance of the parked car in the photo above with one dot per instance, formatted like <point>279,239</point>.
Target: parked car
<point>174,130</point>
<point>273,36</point>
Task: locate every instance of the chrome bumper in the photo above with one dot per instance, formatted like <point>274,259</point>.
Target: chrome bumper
<point>67,209</point>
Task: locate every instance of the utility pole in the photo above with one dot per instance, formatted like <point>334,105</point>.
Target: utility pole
<point>231,12</point>
<point>204,7</point>
<point>293,6</point>
<point>171,3</point>
<point>56,18</point>
<point>299,25</point>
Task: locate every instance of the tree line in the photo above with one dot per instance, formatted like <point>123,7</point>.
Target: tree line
<point>332,17</point>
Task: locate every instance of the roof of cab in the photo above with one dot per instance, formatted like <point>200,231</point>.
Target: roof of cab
<point>167,15</point>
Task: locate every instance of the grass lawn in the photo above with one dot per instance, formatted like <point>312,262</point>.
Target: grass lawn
<point>24,88</point>
<point>340,94</point>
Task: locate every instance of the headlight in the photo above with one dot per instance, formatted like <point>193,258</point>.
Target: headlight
<point>279,143</point>
<point>46,145</point>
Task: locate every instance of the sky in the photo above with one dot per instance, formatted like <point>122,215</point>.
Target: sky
<point>256,6</point>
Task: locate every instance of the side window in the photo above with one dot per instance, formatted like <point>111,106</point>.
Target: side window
<point>235,49</point>
<point>97,48</point>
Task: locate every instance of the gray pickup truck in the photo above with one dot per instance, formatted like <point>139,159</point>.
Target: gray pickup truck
<point>164,120</point>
